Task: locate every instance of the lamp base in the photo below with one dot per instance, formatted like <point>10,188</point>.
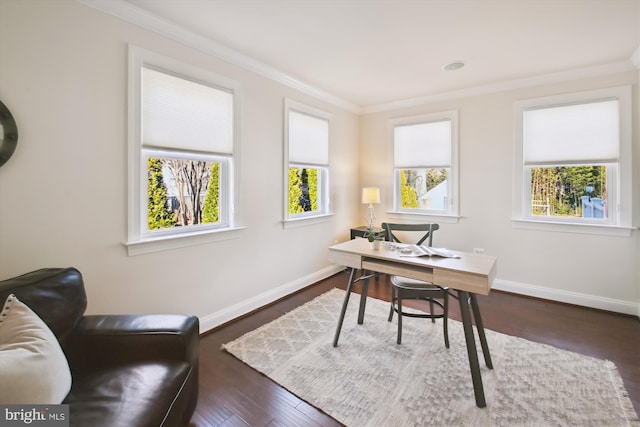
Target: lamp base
<point>371,218</point>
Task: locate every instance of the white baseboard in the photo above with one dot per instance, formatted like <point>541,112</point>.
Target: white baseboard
<point>593,301</point>
<point>218,318</point>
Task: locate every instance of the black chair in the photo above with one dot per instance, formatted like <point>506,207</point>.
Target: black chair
<point>403,288</point>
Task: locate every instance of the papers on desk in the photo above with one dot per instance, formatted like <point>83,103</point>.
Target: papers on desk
<point>419,250</point>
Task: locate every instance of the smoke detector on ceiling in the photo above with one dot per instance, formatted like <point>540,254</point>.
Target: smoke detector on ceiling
<point>452,66</point>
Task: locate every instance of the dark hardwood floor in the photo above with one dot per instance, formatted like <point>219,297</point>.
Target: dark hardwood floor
<point>233,394</point>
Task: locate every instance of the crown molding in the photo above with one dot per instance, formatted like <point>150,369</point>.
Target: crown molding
<point>635,58</point>
<point>542,79</point>
<point>146,20</point>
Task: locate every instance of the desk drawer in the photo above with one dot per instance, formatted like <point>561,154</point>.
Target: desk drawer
<point>346,259</point>
<point>463,281</point>
<point>393,268</point>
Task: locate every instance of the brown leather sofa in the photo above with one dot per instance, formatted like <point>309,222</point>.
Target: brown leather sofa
<point>126,370</point>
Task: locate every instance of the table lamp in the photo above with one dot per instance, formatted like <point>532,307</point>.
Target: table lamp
<point>371,195</point>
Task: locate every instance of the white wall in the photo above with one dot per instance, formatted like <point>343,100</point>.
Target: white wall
<point>596,271</point>
<point>63,74</point>
<point>63,194</point>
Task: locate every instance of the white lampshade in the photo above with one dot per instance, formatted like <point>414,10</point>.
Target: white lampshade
<point>370,195</point>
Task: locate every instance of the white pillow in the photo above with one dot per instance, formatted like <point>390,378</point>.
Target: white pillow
<point>33,368</point>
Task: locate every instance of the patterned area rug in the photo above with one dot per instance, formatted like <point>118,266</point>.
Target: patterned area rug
<point>369,380</point>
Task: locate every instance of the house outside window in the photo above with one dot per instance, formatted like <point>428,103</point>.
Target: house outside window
<point>572,162</point>
<point>181,148</point>
<point>425,156</point>
<point>307,160</point>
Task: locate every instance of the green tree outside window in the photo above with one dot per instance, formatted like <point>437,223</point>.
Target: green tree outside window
<point>211,209</point>
<point>303,190</point>
<point>158,213</point>
<point>557,191</point>
<point>409,198</point>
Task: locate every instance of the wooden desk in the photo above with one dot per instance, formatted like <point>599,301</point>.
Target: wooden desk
<point>469,275</point>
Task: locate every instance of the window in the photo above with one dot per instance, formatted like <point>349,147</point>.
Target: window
<point>573,159</point>
<point>425,157</point>
<point>307,160</point>
<point>181,148</point>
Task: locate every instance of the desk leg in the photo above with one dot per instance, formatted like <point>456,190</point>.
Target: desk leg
<point>344,307</point>
<point>480,328</point>
<point>363,297</point>
<point>474,365</point>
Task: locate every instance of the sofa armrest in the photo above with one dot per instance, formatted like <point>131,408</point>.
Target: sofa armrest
<point>100,340</point>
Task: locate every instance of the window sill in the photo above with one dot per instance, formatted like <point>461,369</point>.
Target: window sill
<point>422,216</point>
<point>305,221</point>
<point>594,229</point>
<point>176,241</point>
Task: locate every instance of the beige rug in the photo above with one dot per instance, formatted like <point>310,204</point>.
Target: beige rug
<point>369,380</point>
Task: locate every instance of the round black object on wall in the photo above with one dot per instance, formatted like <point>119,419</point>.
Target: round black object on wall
<point>8,134</point>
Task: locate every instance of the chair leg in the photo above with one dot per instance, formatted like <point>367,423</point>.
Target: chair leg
<point>393,297</point>
<point>445,318</point>
<point>396,305</point>
<point>399,299</point>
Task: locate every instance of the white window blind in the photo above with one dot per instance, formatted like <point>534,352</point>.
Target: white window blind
<point>426,145</point>
<point>308,139</point>
<point>182,114</point>
<point>572,134</point>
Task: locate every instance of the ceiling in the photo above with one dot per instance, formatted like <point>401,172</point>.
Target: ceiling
<point>375,52</point>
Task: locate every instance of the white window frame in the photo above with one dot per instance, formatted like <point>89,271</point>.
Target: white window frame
<point>451,214</point>
<point>141,240</point>
<point>619,178</point>
<point>324,205</point>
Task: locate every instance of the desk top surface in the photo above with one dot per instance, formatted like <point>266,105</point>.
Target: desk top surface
<point>468,263</point>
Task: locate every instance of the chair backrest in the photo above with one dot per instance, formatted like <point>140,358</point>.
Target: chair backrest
<point>428,230</point>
